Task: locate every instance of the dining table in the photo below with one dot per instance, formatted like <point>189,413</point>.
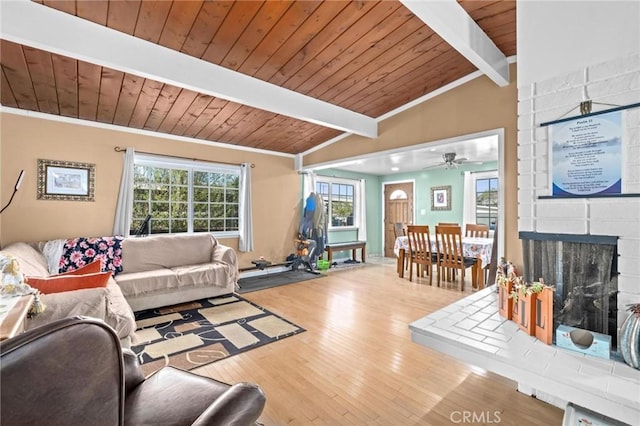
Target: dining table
<point>480,248</point>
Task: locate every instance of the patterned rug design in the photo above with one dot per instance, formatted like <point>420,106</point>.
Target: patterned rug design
<point>198,333</point>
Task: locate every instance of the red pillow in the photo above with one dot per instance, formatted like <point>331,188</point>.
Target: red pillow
<point>60,283</point>
<point>89,268</point>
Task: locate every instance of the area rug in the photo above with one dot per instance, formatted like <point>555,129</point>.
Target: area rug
<point>260,282</point>
<point>198,333</point>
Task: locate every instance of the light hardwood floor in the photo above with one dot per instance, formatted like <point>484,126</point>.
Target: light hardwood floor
<point>356,363</point>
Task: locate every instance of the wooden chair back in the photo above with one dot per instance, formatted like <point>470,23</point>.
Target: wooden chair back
<point>490,272</point>
<point>420,252</point>
<point>449,242</point>
<point>448,224</point>
<point>450,253</point>
<point>476,231</point>
<point>398,229</point>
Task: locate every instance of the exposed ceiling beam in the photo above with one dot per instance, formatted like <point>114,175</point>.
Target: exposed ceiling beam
<point>32,24</point>
<point>456,27</point>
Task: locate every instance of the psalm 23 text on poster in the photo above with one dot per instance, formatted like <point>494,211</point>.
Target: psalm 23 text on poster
<point>586,156</point>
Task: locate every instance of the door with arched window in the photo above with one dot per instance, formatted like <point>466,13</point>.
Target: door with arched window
<point>398,208</point>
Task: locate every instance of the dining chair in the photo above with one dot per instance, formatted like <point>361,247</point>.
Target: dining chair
<point>450,255</point>
<point>420,252</point>
<point>476,231</point>
<point>398,229</point>
<point>454,272</point>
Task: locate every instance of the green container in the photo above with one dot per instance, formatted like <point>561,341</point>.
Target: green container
<point>323,264</point>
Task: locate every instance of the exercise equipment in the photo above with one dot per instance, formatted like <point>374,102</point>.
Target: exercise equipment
<point>305,252</point>
<point>310,240</point>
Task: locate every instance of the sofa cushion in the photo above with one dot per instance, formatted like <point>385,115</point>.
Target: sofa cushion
<point>61,283</point>
<point>106,303</point>
<point>166,251</point>
<point>208,274</point>
<point>137,283</point>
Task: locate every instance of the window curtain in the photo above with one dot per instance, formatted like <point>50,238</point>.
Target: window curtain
<point>362,211</point>
<point>245,244</point>
<point>124,208</point>
<point>308,185</point>
<point>469,201</point>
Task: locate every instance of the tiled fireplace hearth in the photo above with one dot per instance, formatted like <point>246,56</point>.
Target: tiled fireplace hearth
<point>472,331</point>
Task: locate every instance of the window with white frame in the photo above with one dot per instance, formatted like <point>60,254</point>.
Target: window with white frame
<point>185,196</point>
<point>486,196</point>
<point>340,199</point>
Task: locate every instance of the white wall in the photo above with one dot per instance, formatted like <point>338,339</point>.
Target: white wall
<point>553,90</point>
<point>556,37</point>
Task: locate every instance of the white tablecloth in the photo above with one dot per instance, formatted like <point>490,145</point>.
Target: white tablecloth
<point>472,247</point>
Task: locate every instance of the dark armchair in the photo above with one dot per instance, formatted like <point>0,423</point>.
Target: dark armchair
<point>73,371</point>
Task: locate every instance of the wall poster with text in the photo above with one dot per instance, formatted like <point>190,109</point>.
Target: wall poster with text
<point>586,155</point>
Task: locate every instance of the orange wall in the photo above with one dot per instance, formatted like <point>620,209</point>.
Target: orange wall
<point>474,107</point>
<point>24,140</point>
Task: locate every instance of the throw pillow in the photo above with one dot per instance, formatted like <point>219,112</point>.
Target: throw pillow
<point>89,268</point>
<point>84,250</point>
<point>60,283</point>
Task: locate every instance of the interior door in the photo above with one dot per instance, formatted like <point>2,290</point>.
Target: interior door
<point>398,207</point>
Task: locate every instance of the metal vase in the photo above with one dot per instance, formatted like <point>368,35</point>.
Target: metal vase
<point>630,340</point>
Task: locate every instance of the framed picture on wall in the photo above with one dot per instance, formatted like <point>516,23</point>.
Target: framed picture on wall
<point>66,180</point>
<point>441,197</point>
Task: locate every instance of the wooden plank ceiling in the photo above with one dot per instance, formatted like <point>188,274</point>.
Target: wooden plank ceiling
<point>366,56</point>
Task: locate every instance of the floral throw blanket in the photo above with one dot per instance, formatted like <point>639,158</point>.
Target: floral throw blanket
<point>78,252</point>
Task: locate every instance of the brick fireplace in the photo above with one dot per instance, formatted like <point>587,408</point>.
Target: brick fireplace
<point>584,272</point>
<point>613,83</point>
<point>607,84</point>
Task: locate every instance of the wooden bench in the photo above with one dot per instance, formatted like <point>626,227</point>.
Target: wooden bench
<point>349,245</point>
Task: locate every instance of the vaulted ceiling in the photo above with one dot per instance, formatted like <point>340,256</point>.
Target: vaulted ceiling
<point>282,76</point>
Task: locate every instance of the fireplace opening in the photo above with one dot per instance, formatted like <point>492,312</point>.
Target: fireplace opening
<point>584,271</point>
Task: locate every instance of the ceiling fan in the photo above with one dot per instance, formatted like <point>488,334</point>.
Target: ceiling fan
<point>449,161</point>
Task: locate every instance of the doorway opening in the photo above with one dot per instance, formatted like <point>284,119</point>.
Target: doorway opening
<point>398,209</point>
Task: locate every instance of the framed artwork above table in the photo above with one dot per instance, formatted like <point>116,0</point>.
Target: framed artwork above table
<point>441,197</point>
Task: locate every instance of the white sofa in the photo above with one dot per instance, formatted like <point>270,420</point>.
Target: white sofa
<point>163,270</point>
<point>106,303</point>
<point>157,271</point>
